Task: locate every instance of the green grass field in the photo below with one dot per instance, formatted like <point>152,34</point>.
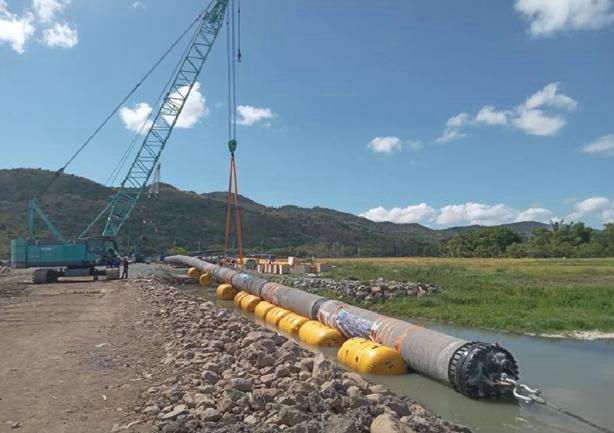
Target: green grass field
<point>520,295</point>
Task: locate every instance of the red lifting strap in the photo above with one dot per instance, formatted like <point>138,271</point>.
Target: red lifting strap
<point>232,181</point>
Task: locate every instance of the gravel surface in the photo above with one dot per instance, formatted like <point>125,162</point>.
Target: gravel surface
<point>223,373</point>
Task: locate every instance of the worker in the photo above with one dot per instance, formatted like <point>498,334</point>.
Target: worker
<point>125,271</point>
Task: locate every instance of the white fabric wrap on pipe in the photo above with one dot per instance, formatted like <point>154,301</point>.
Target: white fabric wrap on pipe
<point>425,351</point>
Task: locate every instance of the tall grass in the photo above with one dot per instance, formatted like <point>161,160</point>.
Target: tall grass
<point>518,295</point>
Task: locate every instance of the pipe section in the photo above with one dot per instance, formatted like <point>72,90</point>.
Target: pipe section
<point>472,368</point>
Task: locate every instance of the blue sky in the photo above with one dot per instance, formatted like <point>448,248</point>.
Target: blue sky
<point>443,113</point>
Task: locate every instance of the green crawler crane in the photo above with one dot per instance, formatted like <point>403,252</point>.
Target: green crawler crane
<point>87,252</point>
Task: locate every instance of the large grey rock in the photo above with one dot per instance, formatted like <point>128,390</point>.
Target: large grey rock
<point>209,377</point>
<point>387,423</point>
<point>180,409</point>
<point>210,415</point>
<point>241,384</point>
<point>290,417</point>
<point>340,424</point>
<point>323,370</point>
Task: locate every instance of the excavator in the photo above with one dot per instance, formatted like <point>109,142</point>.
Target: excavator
<point>88,252</point>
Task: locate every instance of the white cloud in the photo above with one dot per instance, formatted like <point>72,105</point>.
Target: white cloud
<point>531,117</point>
<point>386,145</point>
<point>195,108</point>
<point>475,213</point>
<point>603,146</point>
<point>535,122</point>
<point>550,16</point>
<point>590,206</point>
<point>540,114</point>
<point>534,214</point>
<point>549,96</point>
<point>458,214</point>
<point>60,35</point>
<point>452,129</point>
<point>489,116</point>
<point>18,30</point>
<point>15,30</point>
<point>137,5</point>
<point>410,214</point>
<point>249,115</point>
<point>607,216</point>
<point>134,118</point>
<point>46,10</point>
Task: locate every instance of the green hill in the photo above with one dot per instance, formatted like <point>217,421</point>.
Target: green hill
<point>188,220</point>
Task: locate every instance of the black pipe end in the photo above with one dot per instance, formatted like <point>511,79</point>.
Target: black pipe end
<point>475,369</point>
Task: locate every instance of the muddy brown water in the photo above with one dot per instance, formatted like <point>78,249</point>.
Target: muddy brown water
<point>575,375</point>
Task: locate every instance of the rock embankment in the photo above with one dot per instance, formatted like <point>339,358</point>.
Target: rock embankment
<point>223,373</point>
<point>373,291</point>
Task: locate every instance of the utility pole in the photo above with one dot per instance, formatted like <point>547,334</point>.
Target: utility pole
<point>262,246</point>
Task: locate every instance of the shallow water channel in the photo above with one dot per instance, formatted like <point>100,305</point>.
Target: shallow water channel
<point>575,375</point>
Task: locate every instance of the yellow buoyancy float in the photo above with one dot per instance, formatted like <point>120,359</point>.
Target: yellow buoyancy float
<point>275,315</point>
<point>365,356</point>
<point>205,279</point>
<point>316,334</point>
<point>225,292</point>
<point>249,302</point>
<point>194,273</point>
<point>240,296</point>
<point>291,323</point>
<point>262,309</point>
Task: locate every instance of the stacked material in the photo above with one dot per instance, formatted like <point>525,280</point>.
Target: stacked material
<point>474,369</point>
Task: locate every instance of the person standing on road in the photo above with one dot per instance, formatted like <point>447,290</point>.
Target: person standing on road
<point>125,271</point>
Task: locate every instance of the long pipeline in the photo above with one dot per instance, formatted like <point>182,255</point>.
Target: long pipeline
<point>474,369</point>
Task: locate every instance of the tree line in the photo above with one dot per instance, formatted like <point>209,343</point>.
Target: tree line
<point>563,240</point>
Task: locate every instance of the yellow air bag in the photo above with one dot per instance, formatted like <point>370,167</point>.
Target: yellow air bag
<point>275,315</point>
<point>316,334</point>
<point>262,309</point>
<point>205,279</point>
<point>225,292</point>
<point>240,296</point>
<point>194,273</point>
<point>249,302</point>
<point>365,356</point>
<point>291,323</point>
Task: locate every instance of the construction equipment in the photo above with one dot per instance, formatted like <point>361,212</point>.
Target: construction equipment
<point>87,251</point>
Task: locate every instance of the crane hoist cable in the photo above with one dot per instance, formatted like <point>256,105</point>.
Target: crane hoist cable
<point>114,111</point>
<point>233,196</point>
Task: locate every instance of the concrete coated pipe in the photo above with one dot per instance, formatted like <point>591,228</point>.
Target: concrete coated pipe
<point>471,368</point>
<point>299,301</point>
<point>248,282</point>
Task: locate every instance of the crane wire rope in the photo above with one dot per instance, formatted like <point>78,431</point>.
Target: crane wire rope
<point>121,103</point>
<point>233,197</point>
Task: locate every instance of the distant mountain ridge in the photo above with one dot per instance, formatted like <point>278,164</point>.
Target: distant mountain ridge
<point>191,220</point>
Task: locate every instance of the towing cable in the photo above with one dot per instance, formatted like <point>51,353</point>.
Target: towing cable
<point>525,394</point>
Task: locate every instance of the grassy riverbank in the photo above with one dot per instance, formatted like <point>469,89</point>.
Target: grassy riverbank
<point>522,295</point>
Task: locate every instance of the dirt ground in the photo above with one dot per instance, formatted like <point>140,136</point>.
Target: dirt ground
<point>74,356</point>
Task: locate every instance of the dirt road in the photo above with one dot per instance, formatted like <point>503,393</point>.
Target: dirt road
<point>73,356</point>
